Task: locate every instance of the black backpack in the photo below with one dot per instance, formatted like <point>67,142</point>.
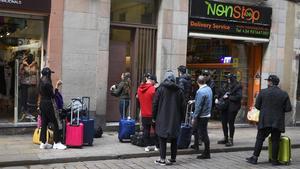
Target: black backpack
<point>98,132</point>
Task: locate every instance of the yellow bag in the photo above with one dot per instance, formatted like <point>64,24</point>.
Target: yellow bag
<point>37,133</point>
<point>253,115</point>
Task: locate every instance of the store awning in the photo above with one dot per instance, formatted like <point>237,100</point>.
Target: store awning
<point>216,36</point>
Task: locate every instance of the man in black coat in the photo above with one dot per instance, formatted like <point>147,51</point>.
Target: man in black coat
<point>185,82</point>
<point>272,103</point>
<point>168,113</point>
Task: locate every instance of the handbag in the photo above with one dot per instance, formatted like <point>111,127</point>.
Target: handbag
<point>253,115</point>
<point>37,133</point>
<point>222,104</point>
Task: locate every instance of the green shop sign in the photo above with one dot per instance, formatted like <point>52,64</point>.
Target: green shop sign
<point>232,19</point>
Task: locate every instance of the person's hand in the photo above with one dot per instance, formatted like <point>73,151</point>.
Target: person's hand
<point>58,84</point>
<point>191,101</point>
<point>216,101</point>
<point>225,96</point>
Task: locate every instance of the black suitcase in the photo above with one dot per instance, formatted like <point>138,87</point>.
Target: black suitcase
<point>89,130</point>
<point>185,134</point>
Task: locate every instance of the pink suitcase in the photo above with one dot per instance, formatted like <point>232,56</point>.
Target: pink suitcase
<point>74,131</point>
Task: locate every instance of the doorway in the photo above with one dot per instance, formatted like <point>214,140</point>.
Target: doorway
<point>132,49</point>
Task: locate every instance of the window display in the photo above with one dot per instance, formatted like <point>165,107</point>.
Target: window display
<point>20,56</point>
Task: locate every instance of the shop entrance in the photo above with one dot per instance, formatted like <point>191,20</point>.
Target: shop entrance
<point>221,57</point>
<point>132,49</point>
<point>21,41</point>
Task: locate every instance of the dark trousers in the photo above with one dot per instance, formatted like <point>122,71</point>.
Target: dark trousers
<point>201,124</point>
<point>163,147</point>
<point>24,97</point>
<point>123,107</point>
<point>262,134</point>
<point>228,118</point>
<point>147,124</point>
<point>48,116</point>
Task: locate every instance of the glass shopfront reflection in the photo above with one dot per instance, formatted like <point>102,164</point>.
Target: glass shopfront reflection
<point>20,57</point>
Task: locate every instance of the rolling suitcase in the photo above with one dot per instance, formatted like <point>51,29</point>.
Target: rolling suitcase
<point>185,134</point>
<point>74,131</point>
<point>284,154</point>
<point>88,123</point>
<point>126,126</point>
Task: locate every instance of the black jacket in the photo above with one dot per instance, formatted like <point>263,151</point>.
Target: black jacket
<point>185,82</point>
<point>272,103</point>
<point>46,89</point>
<point>168,109</point>
<point>234,91</point>
<point>122,90</point>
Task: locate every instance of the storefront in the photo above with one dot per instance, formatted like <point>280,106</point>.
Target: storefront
<point>229,38</point>
<point>23,32</point>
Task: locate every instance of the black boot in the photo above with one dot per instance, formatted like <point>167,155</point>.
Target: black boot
<point>229,142</point>
<point>204,155</point>
<point>223,141</point>
<point>252,160</point>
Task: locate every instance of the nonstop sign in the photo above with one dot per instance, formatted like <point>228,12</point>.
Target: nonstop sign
<point>229,19</point>
<point>43,6</point>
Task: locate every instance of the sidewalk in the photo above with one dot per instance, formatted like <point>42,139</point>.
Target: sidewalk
<point>19,150</point>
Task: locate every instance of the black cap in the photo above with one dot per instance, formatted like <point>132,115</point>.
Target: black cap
<point>205,72</point>
<point>151,77</point>
<point>46,71</point>
<point>274,79</point>
<point>182,69</point>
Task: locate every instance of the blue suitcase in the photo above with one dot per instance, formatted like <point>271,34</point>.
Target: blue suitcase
<point>89,129</point>
<point>185,134</point>
<point>126,126</point>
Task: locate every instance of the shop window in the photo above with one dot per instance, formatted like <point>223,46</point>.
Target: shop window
<point>134,11</point>
<point>20,59</point>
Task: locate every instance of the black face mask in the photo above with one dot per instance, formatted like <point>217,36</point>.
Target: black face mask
<point>29,59</point>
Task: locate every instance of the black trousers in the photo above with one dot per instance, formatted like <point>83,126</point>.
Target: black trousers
<point>262,134</point>
<point>201,124</point>
<point>24,97</point>
<point>228,118</point>
<point>163,147</point>
<point>147,124</point>
<point>48,116</point>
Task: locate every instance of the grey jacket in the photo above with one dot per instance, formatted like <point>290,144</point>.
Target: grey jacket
<point>203,102</point>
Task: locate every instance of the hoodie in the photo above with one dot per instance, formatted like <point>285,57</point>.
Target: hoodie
<point>146,93</point>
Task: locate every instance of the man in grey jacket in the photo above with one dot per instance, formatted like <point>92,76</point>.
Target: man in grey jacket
<point>203,104</point>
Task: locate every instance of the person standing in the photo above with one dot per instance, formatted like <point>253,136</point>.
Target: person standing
<point>232,94</point>
<point>168,113</point>
<point>48,112</point>
<point>185,82</point>
<point>145,94</point>
<point>272,103</point>
<point>122,90</point>
<point>203,104</point>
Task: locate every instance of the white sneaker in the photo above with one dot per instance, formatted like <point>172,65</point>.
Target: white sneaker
<point>59,146</point>
<point>147,149</point>
<point>156,149</point>
<point>45,146</point>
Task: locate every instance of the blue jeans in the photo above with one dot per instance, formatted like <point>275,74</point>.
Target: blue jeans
<point>123,107</point>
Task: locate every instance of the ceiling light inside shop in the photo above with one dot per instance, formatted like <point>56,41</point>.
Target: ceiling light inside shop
<point>1,36</point>
<point>7,34</point>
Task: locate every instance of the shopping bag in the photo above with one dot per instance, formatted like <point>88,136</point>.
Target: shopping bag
<point>37,133</point>
<point>253,115</point>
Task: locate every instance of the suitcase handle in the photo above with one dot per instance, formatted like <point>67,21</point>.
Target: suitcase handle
<point>189,109</point>
<point>88,104</point>
<point>124,110</point>
<point>72,111</point>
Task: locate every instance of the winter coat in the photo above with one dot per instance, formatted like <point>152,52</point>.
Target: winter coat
<point>272,103</point>
<point>146,93</point>
<point>168,109</point>
<point>122,90</point>
<point>203,102</point>
<point>185,82</point>
<point>234,91</point>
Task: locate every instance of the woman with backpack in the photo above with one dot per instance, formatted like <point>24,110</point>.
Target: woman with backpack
<point>122,90</point>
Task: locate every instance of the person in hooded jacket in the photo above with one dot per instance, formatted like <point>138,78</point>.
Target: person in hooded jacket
<point>145,94</point>
<point>47,111</point>
<point>232,94</point>
<point>168,113</point>
<point>185,82</point>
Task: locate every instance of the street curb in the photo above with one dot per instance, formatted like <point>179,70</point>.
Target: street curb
<point>123,156</point>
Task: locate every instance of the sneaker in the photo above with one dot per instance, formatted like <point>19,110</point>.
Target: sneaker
<point>59,146</point>
<point>223,141</point>
<point>147,149</point>
<point>45,146</point>
<point>275,162</point>
<point>195,147</point>
<point>160,162</point>
<point>172,160</point>
<point>156,149</point>
<point>203,156</point>
<point>252,160</point>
